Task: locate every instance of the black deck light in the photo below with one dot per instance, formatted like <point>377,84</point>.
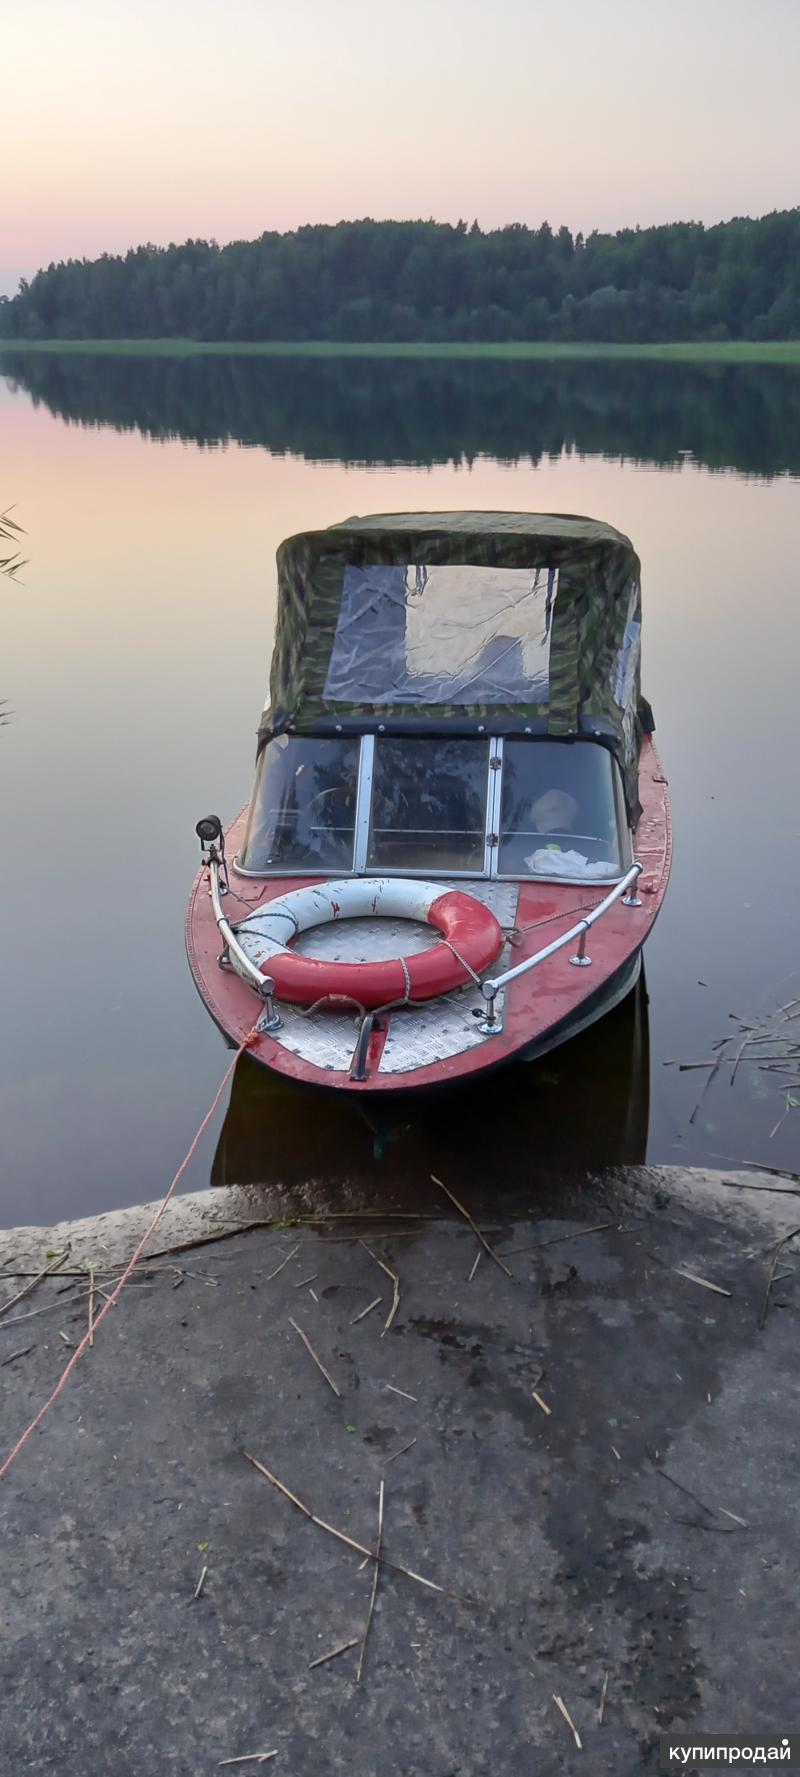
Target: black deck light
<point>209,829</point>
<point>212,845</point>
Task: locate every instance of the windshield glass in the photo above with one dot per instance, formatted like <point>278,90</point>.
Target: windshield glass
<point>302,813</point>
<point>428,805</point>
<point>559,812</point>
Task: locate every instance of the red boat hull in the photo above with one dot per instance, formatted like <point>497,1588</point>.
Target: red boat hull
<point>544,1007</point>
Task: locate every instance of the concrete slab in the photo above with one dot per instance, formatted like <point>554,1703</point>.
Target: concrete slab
<point>588,1540</point>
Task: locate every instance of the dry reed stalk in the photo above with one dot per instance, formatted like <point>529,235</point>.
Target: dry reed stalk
<point>365,1311</point>
<point>395,1283</point>
<point>279,1268</point>
<point>341,1536</point>
<point>47,1272</point>
<point>473,1224</point>
<point>374,1593</point>
<point>703,1281</point>
<point>48,1308</point>
<point>561,1705</point>
<point>318,1360</point>
<point>343,1648</point>
<point>762,1319</point>
<point>249,1758</point>
<point>13,1355</point>
<point>400,1452</point>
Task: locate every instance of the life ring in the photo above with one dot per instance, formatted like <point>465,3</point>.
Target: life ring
<point>471,939</point>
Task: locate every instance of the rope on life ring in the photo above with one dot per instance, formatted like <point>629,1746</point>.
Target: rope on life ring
<point>471,939</point>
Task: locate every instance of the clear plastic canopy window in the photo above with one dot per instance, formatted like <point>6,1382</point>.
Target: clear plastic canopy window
<point>443,635</point>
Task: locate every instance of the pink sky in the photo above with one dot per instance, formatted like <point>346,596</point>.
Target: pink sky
<point>127,121</point>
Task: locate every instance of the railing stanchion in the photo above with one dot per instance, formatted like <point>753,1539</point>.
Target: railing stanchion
<point>580,960</point>
<point>490,1025</point>
<point>633,898</point>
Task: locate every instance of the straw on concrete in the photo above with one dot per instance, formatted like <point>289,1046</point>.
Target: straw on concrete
<point>318,1360</point>
<point>400,1452</point>
<point>13,1355</point>
<point>343,1648</point>
<point>365,1311</point>
<point>56,1264</point>
<point>703,1281</point>
<point>779,1244</point>
<point>341,1536</point>
<point>249,1758</point>
<point>473,1224</point>
<point>279,1268</point>
<point>395,1282</point>
<point>374,1593</point>
<point>561,1705</point>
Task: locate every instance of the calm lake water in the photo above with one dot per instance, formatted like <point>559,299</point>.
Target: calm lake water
<point>134,660</point>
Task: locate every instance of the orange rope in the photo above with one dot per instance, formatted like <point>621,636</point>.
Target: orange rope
<point>519,931</point>
<point>130,1267</point>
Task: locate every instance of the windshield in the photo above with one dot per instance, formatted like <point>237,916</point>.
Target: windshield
<point>559,811</point>
<point>429,805</point>
<point>303,810</point>
<point>556,808</point>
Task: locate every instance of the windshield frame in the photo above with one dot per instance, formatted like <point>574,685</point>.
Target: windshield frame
<point>492,834</point>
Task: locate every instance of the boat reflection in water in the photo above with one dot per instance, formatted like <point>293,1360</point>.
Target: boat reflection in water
<point>582,1108</point>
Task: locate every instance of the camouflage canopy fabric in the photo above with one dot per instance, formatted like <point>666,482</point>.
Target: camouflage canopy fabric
<point>332,582</point>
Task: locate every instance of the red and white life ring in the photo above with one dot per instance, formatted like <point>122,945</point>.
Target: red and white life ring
<point>471,939</point>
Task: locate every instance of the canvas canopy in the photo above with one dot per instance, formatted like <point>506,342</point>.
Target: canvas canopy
<point>506,622</point>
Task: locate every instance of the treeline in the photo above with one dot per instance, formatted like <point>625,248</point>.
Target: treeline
<point>432,281</point>
<point>428,411</point>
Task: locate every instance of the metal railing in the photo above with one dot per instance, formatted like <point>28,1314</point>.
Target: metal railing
<point>213,855</point>
<point>490,1024</point>
<point>262,984</point>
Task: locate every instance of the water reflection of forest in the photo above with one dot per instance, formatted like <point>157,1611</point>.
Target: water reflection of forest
<point>409,411</point>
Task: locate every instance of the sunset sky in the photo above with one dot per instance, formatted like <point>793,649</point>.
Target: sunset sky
<point>124,122</point>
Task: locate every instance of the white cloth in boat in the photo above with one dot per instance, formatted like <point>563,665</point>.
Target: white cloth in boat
<point>551,861</point>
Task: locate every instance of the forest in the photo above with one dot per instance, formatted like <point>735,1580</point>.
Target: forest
<point>432,281</point>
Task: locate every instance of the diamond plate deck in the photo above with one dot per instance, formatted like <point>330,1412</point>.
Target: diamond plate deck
<point>417,1036</point>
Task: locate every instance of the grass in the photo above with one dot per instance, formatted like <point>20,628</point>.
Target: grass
<point>732,351</point>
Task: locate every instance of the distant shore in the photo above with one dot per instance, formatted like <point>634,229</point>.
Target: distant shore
<point>731,351</point>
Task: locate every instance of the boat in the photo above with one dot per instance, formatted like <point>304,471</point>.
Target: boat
<point>459,835</point>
